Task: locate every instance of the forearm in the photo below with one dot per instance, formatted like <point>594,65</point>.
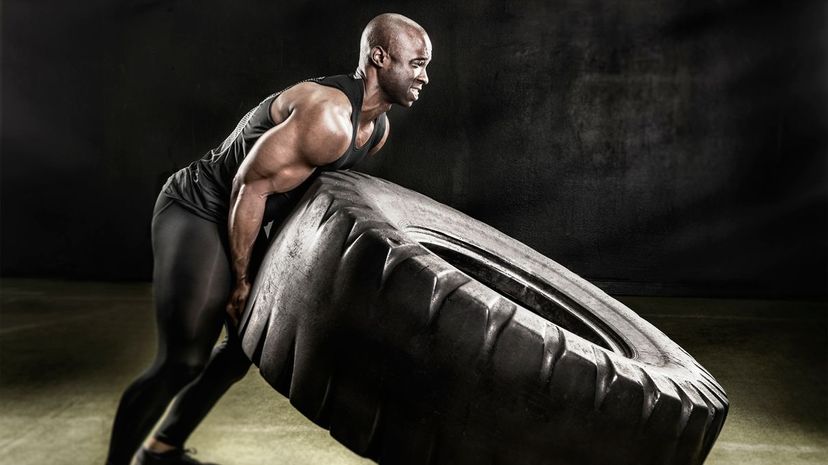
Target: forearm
<point>246,211</point>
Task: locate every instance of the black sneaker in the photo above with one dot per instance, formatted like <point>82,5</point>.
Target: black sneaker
<point>173,457</point>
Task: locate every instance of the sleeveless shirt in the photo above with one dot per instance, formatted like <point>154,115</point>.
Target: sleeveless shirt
<point>204,186</point>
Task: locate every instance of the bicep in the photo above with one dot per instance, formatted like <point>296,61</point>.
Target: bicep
<point>273,165</point>
<point>287,154</point>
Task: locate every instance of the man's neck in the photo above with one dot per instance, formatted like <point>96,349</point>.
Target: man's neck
<point>373,103</point>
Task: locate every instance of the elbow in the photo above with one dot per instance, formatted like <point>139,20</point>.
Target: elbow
<point>237,184</point>
<point>247,190</point>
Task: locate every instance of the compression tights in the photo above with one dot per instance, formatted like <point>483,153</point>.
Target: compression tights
<point>191,283</point>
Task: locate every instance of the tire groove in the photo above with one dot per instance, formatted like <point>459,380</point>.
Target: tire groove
<point>396,256</point>
<point>707,436</point>
<point>652,395</point>
<point>496,321</point>
<point>715,386</point>
<point>260,343</point>
<point>446,284</point>
<point>284,379</point>
<point>707,376</point>
<point>346,245</point>
<point>712,391</point>
<point>686,408</point>
<point>720,415</point>
<point>711,408</point>
<point>330,210</point>
<point>322,411</point>
<point>551,357</point>
<point>605,375</point>
<point>361,227</point>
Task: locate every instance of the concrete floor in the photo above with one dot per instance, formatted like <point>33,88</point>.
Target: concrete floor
<point>68,349</point>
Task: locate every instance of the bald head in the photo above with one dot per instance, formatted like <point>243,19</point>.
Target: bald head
<point>387,31</point>
<point>393,56</point>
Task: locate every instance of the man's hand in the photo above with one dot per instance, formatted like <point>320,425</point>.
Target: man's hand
<point>237,300</point>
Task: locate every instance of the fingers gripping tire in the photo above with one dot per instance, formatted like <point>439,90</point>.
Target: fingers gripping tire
<point>418,335</point>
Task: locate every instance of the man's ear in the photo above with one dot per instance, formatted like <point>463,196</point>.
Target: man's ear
<point>379,56</point>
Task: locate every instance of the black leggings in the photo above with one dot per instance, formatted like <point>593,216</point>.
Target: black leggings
<point>192,281</point>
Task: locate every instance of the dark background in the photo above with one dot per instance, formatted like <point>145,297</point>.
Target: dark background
<point>653,146</point>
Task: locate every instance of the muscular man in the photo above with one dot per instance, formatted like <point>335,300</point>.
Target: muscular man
<point>207,227</point>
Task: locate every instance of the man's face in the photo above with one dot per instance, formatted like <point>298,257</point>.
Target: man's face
<point>404,77</point>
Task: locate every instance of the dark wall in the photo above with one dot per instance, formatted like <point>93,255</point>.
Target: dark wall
<point>651,145</point>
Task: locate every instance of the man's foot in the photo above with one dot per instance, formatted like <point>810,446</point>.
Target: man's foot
<point>173,457</point>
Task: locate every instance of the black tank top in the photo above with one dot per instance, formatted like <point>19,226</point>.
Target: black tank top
<point>204,186</point>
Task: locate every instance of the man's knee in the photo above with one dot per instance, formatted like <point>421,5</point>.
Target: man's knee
<point>182,372</point>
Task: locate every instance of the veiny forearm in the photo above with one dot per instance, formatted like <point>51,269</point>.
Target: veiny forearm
<point>279,161</point>
<point>246,211</point>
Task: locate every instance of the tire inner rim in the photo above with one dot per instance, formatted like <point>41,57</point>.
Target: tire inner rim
<point>521,288</point>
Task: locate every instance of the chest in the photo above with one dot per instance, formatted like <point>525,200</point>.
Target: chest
<point>363,134</point>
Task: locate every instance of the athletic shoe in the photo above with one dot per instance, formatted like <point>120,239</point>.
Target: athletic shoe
<point>173,457</point>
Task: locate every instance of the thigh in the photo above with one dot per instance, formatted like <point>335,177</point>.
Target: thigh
<point>191,280</point>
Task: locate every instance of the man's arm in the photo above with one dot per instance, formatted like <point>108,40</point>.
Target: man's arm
<point>315,133</point>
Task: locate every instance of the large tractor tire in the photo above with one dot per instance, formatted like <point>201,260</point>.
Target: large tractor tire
<point>419,335</point>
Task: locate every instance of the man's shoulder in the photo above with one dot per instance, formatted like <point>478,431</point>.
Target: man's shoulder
<point>310,95</point>
<point>315,107</point>
<point>320,119</point>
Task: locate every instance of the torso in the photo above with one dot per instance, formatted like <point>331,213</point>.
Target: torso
<point>204,186</point>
